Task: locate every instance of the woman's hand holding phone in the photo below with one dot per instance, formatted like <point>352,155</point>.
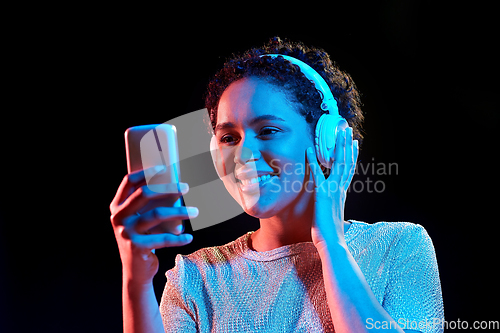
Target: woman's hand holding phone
<point>136,234</point>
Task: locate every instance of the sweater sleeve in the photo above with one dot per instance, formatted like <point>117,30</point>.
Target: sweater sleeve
<point>413,295</point>
<point>177,306</point>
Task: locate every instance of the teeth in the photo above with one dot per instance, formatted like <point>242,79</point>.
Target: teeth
<point>255,180</point>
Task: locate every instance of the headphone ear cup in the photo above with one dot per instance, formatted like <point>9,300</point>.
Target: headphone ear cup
<point>326,136</point>
<point>214,151</point>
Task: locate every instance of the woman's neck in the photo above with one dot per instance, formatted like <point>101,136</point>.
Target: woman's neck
<point>271,236</point>
<point>291,225</point>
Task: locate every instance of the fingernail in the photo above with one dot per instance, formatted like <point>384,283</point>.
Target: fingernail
<point>310,150</point>
<point>192,211</point>
<point>183,187</point>
<point>180,228</point>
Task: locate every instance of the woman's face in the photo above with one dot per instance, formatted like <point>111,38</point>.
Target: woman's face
<point>260,133</point>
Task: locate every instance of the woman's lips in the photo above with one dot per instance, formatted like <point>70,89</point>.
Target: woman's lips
<point>255,187</point>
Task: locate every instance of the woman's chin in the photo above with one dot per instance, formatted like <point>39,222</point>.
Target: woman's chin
<point>254,204</point>
<point>259,212</point>
<point>260,200</point>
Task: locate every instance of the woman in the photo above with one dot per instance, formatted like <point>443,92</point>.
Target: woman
<point>305,269</point>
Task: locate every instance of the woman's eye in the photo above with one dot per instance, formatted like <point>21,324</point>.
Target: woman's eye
<point>226,139</point>
<point>268,131</point>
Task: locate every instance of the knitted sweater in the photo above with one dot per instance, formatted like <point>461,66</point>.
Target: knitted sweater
<point>231,288</point>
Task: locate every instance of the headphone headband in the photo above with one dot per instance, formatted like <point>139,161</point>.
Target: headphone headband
<point>328,103</point>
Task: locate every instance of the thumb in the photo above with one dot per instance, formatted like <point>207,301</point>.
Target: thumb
<point>317,173</point>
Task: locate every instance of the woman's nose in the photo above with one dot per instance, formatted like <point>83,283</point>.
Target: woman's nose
<point>244,154</point>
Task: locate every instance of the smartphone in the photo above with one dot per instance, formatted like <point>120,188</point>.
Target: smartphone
<point>155,145</point>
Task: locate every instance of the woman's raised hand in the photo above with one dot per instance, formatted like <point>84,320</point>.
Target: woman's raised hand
<point>330,193</point>
<point>136,234</point>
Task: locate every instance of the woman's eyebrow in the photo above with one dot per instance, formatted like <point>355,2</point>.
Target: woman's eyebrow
<point>252,122</point>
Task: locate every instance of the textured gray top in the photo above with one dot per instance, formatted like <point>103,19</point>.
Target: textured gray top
<point>232,288</point>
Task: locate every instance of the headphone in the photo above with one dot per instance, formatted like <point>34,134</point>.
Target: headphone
<point>328,124</point>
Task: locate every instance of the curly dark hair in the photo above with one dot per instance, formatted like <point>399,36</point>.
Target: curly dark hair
<point>291,80</point>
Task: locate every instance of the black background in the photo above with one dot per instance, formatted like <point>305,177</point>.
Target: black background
<point>428,76</point>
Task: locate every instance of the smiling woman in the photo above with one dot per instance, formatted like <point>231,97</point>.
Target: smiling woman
<point>306,269</point>
<point>263,142</point>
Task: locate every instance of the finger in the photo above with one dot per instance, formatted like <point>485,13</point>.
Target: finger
<point>159,215</point>
<point>130,183</point>
<point>349,158</point>
<point>355,160</point>
<point>143,195</point>
<point>159,241</point>
<point>339,164</point>
<point>316,172</point>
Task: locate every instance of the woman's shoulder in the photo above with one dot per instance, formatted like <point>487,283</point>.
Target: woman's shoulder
<point>387,232</point>
<point>212,255</point>
<point>386,226</point>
